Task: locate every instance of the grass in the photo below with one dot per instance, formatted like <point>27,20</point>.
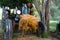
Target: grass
<point>45,35</point>
<point>52,21</point>
<point>1,30</point>
<point>34,38</point>
<point>53,25</point>
<point>52,28</point>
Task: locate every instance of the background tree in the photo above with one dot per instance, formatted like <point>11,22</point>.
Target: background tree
<point>14,3</point>
<point>45,11</point>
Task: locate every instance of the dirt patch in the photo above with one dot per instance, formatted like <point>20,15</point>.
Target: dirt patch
<point>31,38</point>
<point>1,38</point>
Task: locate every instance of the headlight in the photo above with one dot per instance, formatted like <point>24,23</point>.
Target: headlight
<point>18,12</point>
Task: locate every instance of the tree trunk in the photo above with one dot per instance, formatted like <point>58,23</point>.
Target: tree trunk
<point>37,5</point>
<point>47,11</point>
<point>41,12</point>
<point>44,12</point>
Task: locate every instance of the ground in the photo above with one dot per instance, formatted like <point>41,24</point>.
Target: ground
<point>31,37</point>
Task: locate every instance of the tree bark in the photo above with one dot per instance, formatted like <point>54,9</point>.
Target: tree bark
<point>47,11</point>
<point>41,12</point>
<point>37,5</point>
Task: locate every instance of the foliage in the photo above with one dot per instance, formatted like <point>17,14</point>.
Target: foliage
<point>10,3</point>
<point>30,0</point>
<point>26,1</point>
<point>55,7</point>
<point>14,3</point>
<point>45,35</point>
<point>55,12</point>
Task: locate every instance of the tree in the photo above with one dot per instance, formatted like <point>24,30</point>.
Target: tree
<point>38,6</point>
<point>55,7</point>
<point>45,11</point>
<point>41,10</point>
<point>10,3</point>
<point>14,3</point>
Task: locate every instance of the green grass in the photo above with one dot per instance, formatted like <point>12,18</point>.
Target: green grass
<point>45,35</point>
<point>34,38</point>
<point>52,28</point>
<point>1,30</point>
<point>53,25</point>
<point>52,21</point>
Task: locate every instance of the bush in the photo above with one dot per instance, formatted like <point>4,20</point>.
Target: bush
<point>58,27</point>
